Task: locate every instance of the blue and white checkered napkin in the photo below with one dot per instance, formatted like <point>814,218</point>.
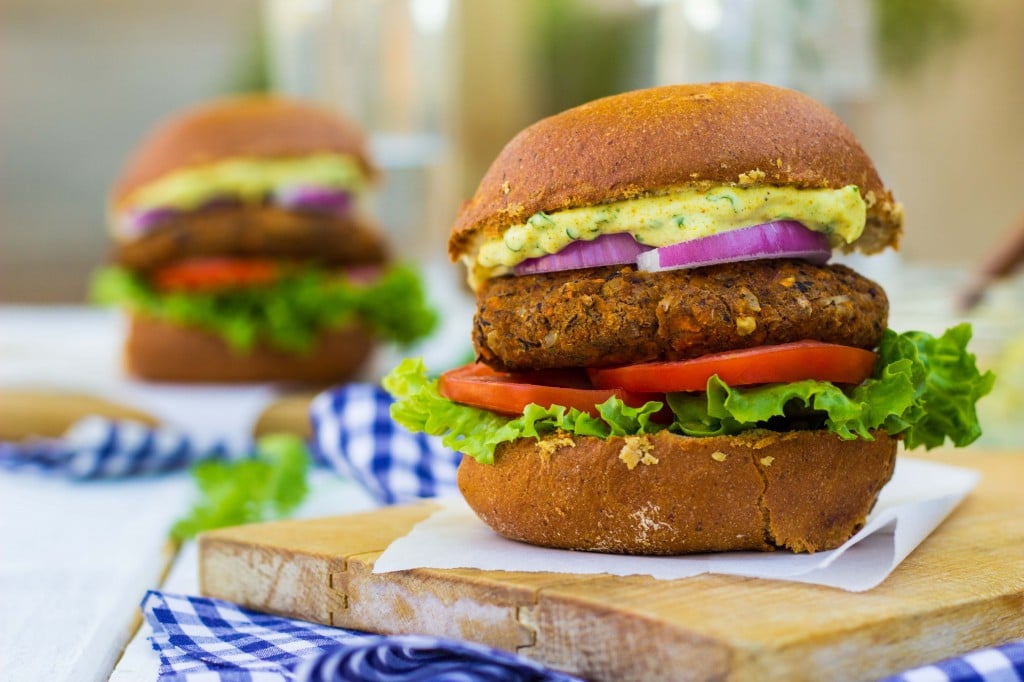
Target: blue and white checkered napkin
<point>202,640</point>
<point>208,640</point>
<point>95,447</point>
<point>353,432</point>
<point>999,664</point>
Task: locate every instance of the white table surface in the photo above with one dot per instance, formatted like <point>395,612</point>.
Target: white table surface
<point>330,496</point>
<point>78,557</point>
<point>75,561</point>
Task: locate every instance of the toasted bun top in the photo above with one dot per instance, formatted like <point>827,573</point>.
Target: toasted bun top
<point>651,141</point>
<point>250,126</point>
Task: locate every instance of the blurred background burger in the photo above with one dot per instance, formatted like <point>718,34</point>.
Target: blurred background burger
<point>243,250</point>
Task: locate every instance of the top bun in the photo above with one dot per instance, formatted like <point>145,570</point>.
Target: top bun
<point>251,126</point>
<point>679,136</point>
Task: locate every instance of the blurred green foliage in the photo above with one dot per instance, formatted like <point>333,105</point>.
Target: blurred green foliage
<point>908,32</point>
<point>250,73</point>
<point>583,53</point>
<point>270,485</point>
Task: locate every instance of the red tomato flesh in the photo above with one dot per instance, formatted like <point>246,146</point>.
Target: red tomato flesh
<point>781,363</point>
<point>215,274</point>
<point>480,386</point>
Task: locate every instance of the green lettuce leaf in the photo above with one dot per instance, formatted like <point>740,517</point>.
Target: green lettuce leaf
<point>271,485</point>
<point>288,314</point>
<point>923,388</point>
<point>947,389</point>
<point>420,407</point>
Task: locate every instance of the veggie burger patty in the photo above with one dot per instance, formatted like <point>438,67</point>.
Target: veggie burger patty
<point>248,231</point>
<point>618,315</point>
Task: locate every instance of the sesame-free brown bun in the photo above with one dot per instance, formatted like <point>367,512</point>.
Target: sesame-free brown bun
<point>162,351</point>
<point>673,137</point>
<point>253,126</point>
<point>761,490</point>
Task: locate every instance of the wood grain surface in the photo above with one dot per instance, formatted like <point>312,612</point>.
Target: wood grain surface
<point>26,413</point>
<point>962,589</point>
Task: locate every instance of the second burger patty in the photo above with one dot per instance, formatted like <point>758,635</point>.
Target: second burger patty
<point>260,231</point>
<point>616,315</point>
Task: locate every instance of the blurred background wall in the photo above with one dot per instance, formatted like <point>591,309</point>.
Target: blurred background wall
<point>932,87</point>
<point>946,134</point>
<point>80,82</point>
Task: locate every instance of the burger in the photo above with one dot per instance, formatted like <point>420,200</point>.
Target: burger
<point>667,362</point>
<point>243,250</point>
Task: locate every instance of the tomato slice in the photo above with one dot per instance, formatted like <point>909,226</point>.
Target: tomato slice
<point>781,363</point>
<point>214,274</point>
<point>478,385</point>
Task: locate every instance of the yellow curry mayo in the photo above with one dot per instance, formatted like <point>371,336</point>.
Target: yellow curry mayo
<point>248,179</point>
<point>671,218</point>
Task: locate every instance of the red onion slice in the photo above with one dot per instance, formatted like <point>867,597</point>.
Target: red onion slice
<point>608,249</point>
<point>310,198</point>
<point>299,198</point>
<point>363,274</point>
<point>781,239</point>
<point>141,221</point>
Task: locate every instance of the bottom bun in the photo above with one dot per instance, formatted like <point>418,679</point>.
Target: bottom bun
<point>162,351</point>
<point>667,494</point>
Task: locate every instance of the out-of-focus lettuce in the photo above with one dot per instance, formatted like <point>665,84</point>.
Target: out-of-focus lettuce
<point>270,485</point>
<point>923,388</point>
<point>288,314</point>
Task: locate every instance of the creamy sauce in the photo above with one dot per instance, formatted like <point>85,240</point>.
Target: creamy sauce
<point>246,179</point>
<point>672,218</point>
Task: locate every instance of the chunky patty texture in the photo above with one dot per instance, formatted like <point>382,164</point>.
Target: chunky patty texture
<point>256,231</point>
<point>617,315</point>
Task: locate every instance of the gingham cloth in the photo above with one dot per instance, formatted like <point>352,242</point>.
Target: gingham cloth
<point>353,432</point>
<point>999,664</point>
<point>206,640</point>
<point>95,447</point>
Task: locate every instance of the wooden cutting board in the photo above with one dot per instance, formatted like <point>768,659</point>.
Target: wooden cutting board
<point>27,413</point>
<point>962,589</point>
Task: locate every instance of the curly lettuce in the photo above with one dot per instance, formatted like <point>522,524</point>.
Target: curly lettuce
<point>923,389</point>
<point>420,407</point>
<point>288,314</point>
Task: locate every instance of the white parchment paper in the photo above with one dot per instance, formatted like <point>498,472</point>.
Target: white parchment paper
<point>920,495</point>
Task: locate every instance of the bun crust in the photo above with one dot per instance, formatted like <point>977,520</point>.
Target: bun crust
<point>651,141</point>
<point>253,126</point>
<point>761,490</point>
<point>161,351</point>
